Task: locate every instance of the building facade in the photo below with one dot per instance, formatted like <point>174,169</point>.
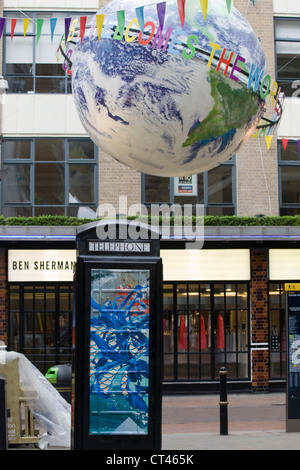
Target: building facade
<point>226,303</point>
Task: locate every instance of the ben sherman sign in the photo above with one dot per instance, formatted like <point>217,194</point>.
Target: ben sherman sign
<point>41,265</point>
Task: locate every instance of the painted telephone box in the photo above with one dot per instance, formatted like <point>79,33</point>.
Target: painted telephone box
<point>118,340</point>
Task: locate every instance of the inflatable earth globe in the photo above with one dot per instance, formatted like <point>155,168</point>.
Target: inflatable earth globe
<point>168,94</point>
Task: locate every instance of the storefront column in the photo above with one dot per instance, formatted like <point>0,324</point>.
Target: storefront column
<point>259,320</point>
<point>3,296</point>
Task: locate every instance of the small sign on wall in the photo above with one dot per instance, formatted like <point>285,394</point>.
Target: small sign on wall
<point>41,265</point>
<point>186,185</point>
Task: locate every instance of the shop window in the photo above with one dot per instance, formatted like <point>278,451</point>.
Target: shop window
<point>205,328</point>
<point>215,189</point>
<point>287,49</point>
<point>277,328</point>
<point>31,66</point>
<point>289,178</point>
<point>40,323</point>
<point>48,176</point>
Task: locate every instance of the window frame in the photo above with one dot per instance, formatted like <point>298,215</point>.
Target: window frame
<point>207,205</point>
<point>278,39</point>
<point>67,162</point>
<point>34,15</point>
<point>282,164</point>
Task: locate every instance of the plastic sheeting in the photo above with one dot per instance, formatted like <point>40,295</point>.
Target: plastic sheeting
<point>49,408</point>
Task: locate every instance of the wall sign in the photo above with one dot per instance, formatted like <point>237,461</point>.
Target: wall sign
<point>186,185</point>
<point>41,265</point>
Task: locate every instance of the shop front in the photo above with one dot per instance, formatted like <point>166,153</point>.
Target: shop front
<point>40,304</point>
<point>206,316</point>
<point>223,305</point>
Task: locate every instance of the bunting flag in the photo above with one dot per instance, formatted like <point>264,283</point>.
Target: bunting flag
<point>181,10</point>
<point>82,27</point>
<point>53,22</point>
<point>268,140</point>
<point>39,26</point>
<point>228,5</point>
<point>161,12</point>
<point>13,25</point>
<point>99,24</point>
<point>67,27</point>
<point>204,5</point>
<point>2,23</point>
<point>25,23</point>
<point>140,16</point>
<point>284,143</point>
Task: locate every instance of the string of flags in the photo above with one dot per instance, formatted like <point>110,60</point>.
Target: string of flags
<point>99,18</point>
<point>284,142</point>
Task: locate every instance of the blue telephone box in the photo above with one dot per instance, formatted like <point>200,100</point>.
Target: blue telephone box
<point>117,341</point>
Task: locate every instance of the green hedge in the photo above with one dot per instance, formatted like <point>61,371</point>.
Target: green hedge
<point>208,220</point>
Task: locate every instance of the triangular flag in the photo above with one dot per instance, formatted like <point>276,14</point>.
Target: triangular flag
<point>13,25</point>
<point>67,27</point>
<point>253,2</point>
<point>268,140</point>
<point>2,23</point>
<point>52,26</point>
<point>181,6</point>
<point>99,23</point>
<point>228,5</point>
<point>26,23</point>
<point>284,143</point>
<point>39,26</point>
<point>204,4</point>
<point>299,145</point>
<point>161,11</point>
<point>140,16</point>
<point>82,27</point>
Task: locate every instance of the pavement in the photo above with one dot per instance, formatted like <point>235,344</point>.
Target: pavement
<point>255,422</point>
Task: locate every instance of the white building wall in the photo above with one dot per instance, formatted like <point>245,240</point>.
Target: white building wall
<point>52,5</point>
<point>286,7</point>
<point>26,115</point>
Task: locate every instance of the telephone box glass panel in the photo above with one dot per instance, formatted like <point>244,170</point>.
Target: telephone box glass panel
<point>119,351</point>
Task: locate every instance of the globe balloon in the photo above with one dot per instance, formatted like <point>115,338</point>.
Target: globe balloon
<point>166,88</point>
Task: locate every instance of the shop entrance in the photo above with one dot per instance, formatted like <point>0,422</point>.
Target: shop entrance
<point>206,326</point>
<point>40,322</point>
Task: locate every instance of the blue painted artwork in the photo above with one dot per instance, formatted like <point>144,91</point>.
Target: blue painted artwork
<point>119,352</point>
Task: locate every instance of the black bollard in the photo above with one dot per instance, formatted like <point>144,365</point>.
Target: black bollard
<point>223,402</point>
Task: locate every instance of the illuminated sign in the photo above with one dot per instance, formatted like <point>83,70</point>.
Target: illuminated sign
<point>41,265</point>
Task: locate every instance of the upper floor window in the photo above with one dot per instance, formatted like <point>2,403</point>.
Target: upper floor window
<point>289,178</point>
<point>49,176</point>
<point>215,189</point>
<point>287,48</point>
<point>30,66</point>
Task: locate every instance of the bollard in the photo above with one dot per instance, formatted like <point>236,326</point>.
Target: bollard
<point>3,415</point>
<point>223,402</point>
